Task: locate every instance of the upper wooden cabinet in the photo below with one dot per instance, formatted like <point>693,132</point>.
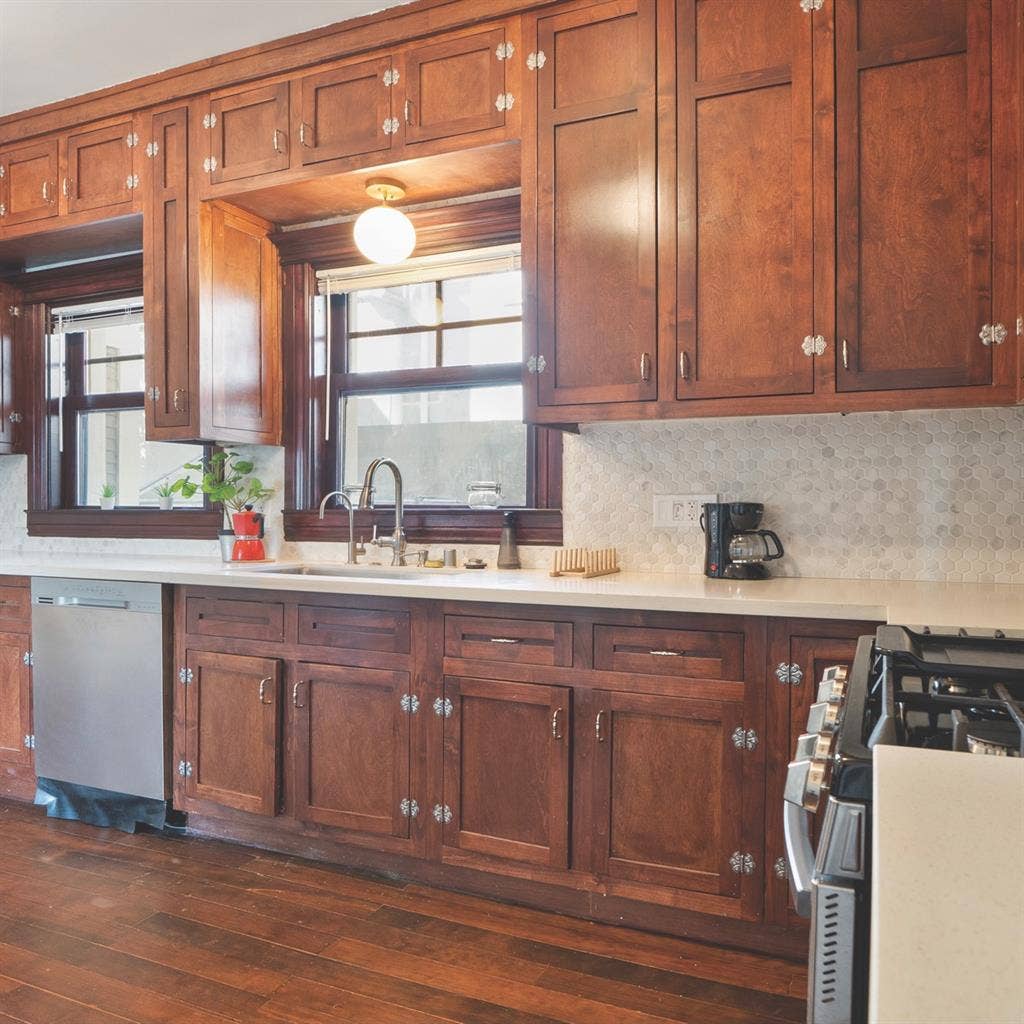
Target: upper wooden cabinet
<point>249,133</point>
<point>97,169</point>
<point>11,415</point>
<point>28,182</point>
<point>591,207</point>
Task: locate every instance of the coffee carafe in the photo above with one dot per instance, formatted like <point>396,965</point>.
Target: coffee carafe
<point>734,545</point>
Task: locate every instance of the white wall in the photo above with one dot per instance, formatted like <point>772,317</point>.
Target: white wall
<point>54,49</point>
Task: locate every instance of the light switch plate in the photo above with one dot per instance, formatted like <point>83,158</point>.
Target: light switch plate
<point>680,511</point>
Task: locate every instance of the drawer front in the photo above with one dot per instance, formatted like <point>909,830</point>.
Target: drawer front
<point>15,606</point>
<point>227,617</point>
<point>688,654</point>
<point>354,629</point>
<point>521,641</point>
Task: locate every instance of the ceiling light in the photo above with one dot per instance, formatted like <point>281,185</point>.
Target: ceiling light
<point>384,234</point>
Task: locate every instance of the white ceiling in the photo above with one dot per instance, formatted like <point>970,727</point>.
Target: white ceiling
<point>53,49</point>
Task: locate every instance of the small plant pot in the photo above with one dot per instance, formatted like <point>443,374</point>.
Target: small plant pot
<point>107,504</point>
<point>166,503</point>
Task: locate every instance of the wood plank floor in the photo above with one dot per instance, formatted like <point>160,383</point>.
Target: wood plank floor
<point>98,927</point>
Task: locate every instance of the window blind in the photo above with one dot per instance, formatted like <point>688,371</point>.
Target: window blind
<point>95,315</point>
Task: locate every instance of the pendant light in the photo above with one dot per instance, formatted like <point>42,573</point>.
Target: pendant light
<point>382,233</point>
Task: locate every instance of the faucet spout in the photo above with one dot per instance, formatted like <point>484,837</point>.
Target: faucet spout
<point>354,550</point>
<point>397,540</point>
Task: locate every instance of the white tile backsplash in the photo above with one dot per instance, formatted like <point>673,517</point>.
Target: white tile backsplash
<point>916,495</point>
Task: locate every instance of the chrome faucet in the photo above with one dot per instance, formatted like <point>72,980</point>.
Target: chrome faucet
<point>397,539</point>
<point>354,549</point>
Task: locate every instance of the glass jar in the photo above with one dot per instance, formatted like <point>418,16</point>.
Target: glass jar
<point>483,494</point>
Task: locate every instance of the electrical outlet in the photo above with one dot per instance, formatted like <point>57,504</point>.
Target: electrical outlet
<point>680,511</point>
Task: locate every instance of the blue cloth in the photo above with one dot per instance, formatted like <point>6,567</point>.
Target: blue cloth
<point>99,806</point>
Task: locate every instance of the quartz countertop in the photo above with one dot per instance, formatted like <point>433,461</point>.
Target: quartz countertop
<point>947,914</point>
<point>939,605</point>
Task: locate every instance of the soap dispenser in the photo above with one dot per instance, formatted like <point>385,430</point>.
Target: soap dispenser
<point>508,551</point>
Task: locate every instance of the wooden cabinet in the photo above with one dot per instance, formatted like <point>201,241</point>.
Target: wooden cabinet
<point>232,713</point>
<point>98,170</point>
<point>350,742</point>
<point>591,207</point>
<point>15,699</point>
<point>745,200</point>
<point>11,415</point>
<point>506,771</point>
<point>248,132</point>
<point>28,183</point>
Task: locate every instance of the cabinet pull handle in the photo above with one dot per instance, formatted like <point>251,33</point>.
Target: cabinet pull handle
<point>504,640</point>
<point>277,148</point>
<point>598,727</point>
<point>666,654</point>
<point>302,134</point>
<point>408,111</point>
<point>46,191</point>
<point>556,724</point>
<point>846,355</point>
<point>645,367</point>
<point>684,366</point>
<point>295,695</point>
<point>179,393</point>
<point>65,187</point>
<point>263,689</point>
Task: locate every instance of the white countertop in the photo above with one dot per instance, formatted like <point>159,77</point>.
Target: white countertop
<point>947,907</point>
<point>940,605</point>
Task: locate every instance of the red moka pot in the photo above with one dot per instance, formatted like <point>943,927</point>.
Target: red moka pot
<point>248,546</point>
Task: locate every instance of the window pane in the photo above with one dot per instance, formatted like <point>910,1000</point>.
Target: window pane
<point>488,343</point>
<point>483,297</point>
<point>426,433</point>
<point>112,448</point>
<point>106,378</point>
<point>404,305</point>
<point>392,352</point>
<point>122,340</point>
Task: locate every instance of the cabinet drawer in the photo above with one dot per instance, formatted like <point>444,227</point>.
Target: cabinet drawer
<point>522,641</point>
<point>358,629</point>
<point>246,620</point>
<point>689,654</point>
<point>15,606</point>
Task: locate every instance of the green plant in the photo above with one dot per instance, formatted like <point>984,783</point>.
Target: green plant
<point>225,479</point>
<point>108,491</point>
<point>165,489</point>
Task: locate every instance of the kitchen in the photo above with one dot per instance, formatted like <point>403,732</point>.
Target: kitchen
<point>511,511</point>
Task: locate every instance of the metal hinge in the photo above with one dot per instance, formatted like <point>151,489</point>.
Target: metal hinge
<point>209,120</point>
<point>153,394</point>
<point>742,863</point>
<point>390,126</point>
<point>442,814</point>
<point>30,742</point>
<point>807,6</point>
<point>131,140</point>
<point>210,164</point>
<point>3,209</point>
<point>992,334</point>
<point>504,101</point>
<point>152,148</point>
<point>504,51</point>
<point>781,868</point>
<point>536,364</point>
<point>443,707</point>
<point>391,77</point>
<point>131,182</point>
<point>15,417</point>
<point>410,703</point>
<point>185,769</point>
<point>185,675</point>
<point>813,345</point>
<point>28,658</point>
<point>3,170</point>
<point>789,674</point>
<point>536,60</point>
<point>14,310</point>
<point>409,808</point>
<point>744,739</point>
<point>1020,326</point>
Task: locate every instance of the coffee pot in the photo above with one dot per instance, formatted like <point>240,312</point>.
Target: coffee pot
<point>735,547</point>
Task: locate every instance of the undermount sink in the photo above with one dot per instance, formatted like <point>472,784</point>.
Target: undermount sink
<point>379,572</point>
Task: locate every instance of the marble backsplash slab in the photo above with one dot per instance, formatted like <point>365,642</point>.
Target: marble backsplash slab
<point>917,495</point>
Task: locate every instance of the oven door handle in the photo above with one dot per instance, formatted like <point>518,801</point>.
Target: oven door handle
<point>799,855</point>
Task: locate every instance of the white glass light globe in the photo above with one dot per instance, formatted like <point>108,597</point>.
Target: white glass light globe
<point>384,234</point>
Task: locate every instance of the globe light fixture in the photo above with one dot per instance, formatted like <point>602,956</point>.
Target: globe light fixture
<point>382,233</point>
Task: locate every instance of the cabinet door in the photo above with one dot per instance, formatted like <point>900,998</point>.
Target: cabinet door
<point>10,416</point>
<point>232,715</point>
<point>170,346</point>
<point>452,87</point>
<point>745,201</point>
<point>98,168</point>
<point>351,748</point>
<point>249,133</point>
<point>345,111</point>
<point>15,699</point>
<point>506,770</point>
<point>669,792</point>
<point>30,182</point>
<point>914,180</point>
<point>595,203</point>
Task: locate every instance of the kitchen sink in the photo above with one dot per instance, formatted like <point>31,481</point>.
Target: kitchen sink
<point>364,572</point>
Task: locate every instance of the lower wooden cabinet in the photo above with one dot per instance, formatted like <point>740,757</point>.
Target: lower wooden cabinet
<point>506,770</point>
<point>15,700</point>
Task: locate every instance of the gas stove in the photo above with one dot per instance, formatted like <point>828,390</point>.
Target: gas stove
<point>949,691</point>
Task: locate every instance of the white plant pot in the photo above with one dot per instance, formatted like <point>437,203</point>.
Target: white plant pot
<point>166,504</point>
<point>107,503</point>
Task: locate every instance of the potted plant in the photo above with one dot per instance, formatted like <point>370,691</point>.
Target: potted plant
<point>165,495</point>
<point>107,495</point>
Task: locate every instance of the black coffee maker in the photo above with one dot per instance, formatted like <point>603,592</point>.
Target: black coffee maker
<point>734,547</point>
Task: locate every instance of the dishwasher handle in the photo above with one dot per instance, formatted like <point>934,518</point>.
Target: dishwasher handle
<point>84,602</point>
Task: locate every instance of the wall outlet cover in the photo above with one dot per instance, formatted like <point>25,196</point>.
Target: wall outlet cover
<point>680,511</point>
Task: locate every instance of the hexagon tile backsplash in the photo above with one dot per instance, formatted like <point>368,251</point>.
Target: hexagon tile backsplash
<point>916,495</point>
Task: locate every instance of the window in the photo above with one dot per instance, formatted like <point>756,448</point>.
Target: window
<point>431,376</point>
<point>96,385</point>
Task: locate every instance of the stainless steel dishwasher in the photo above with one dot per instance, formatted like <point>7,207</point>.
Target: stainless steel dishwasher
<point>99,683</point>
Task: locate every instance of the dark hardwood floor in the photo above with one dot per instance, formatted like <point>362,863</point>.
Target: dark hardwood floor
<point>97,927</point>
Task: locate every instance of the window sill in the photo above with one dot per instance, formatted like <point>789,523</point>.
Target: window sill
<point>540,526</point>
<point>135,523</point>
